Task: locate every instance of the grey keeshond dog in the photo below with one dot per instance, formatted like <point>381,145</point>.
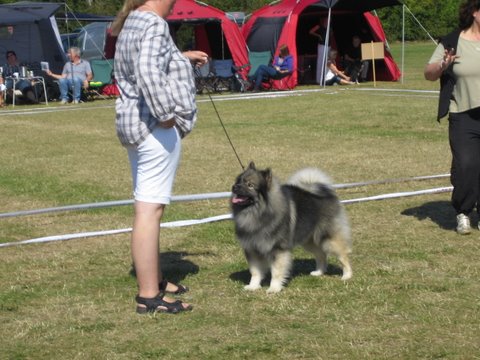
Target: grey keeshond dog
<point>271,218</point>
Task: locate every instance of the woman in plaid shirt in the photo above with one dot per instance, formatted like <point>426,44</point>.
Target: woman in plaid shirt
<point>156,108</point>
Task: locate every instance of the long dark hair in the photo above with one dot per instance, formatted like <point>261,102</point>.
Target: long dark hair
<point>465,18</point>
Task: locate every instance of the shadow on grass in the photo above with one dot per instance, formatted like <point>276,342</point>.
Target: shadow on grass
<point>301,267</point>
<point>440,212</point>
<point>174,267</point>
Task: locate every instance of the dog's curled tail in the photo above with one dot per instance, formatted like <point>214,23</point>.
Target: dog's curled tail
<point>309,179</point>
<point>309,176</point>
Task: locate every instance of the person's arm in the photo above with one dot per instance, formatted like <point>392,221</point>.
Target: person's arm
<point>88,78</point>
<point>275,64</point>
<point>313,32</point>
<point>88,75</point>
<point>337,72</point>
<point>196,57</point>
<point>438,64</point>
<point>289,64</point>
<point>348,57</point>
<point>151,72</point>
<point>55,76</point>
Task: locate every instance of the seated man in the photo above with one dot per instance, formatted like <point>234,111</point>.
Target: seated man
<point>76,73</point>
<point>354,66</point>
<point>281,67</point>
<point>11,68</point>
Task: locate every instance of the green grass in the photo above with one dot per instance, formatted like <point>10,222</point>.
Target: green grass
<point>414,292</point>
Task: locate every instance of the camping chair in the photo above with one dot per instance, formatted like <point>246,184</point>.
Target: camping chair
<point>102,75</point>
<point>255,59</point>
<point>223,74</point>
<point>283,80</point>
<point>204,77</point>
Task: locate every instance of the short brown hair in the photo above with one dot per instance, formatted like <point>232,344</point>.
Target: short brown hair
<point>284,51</point>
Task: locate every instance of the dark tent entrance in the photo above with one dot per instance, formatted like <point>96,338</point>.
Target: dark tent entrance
<point>206,35</point>
<point>196,25</point>
<point>344,25</point>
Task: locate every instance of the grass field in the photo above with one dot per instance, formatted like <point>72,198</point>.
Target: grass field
<point>414,293</point>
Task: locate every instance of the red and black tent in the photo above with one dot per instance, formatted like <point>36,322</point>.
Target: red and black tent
<point>214,32</point>
<point>288,22</point>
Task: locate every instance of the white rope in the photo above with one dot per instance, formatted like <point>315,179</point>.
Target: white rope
<point>183,223</point>
<point>86,235</point>
<point>197,197</point>
<point>399,195</point>
<point>98,205</point>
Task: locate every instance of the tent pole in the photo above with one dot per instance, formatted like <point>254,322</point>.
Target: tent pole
<point>403,43</point>
<point>223,44</point>
<point>327,45</point>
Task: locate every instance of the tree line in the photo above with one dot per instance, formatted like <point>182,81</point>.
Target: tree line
<point>437,17</point>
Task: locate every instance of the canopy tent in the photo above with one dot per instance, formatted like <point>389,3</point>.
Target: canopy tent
<point>288,22</point>
<point>29,29</point>
<point>215,33</point>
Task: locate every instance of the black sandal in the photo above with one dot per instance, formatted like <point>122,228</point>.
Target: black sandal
<point>180,288</point>
<point>157,304</point>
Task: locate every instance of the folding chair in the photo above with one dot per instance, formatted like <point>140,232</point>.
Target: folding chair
<point>283,80</point>
<point>102,75</point>
<point>204,77</point>
<point>223,70</point>
<point>255,59</point>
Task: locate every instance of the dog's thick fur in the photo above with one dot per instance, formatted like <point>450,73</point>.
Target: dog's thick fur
<point>271,218</point>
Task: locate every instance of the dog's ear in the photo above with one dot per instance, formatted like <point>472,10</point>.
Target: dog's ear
<point>252,165</point>
<point>267,175</point>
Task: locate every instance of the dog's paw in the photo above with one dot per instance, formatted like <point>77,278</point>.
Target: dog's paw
<point>347,275</point>
<point>251,287</point>
<point>317,273</point>
<point>273,289</point>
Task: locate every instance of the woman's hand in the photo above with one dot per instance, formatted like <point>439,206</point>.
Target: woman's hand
<point>449,58</point>
<point>433,71</point>
<point>197,57</point>
<point>167,124</point>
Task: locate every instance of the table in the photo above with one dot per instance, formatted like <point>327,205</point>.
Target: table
<point>33,80</point>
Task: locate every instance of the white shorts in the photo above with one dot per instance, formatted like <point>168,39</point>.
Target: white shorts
<point>153,164</point>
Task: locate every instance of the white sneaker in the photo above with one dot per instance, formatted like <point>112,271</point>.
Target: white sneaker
<point>463,224</point>
<point>63,102</point>
<point>76,101</point>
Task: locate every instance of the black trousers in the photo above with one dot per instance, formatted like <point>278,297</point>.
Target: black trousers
<point>464,136</point>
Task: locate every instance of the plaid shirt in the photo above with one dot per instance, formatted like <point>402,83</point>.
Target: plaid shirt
<point>155,79</point>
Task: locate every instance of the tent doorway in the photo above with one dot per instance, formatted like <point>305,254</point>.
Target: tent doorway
<point>206,36</point>
<point>344,25</point>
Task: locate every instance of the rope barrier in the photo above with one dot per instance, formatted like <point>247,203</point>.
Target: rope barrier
<point>196,197</point>
<point>182,223</point>
<point>99,205</point>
